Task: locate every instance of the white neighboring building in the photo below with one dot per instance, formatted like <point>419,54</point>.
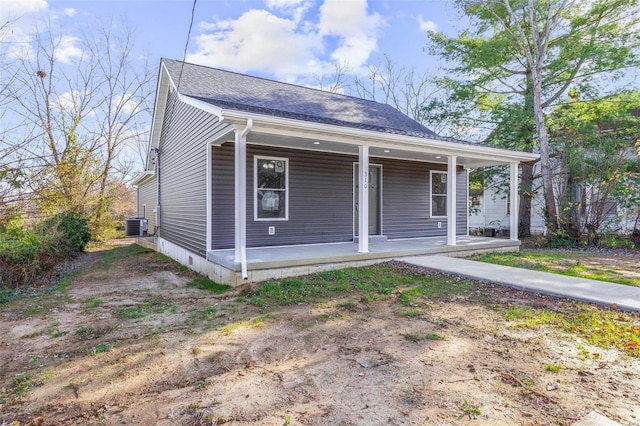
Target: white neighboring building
<point>491,210</point>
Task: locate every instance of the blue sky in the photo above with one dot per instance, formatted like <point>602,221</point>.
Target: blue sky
<point>290,40</point>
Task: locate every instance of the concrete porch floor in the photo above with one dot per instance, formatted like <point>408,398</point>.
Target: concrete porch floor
<point>261,258</point>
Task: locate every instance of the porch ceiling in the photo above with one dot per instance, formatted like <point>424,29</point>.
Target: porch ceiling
<point>379,149</point>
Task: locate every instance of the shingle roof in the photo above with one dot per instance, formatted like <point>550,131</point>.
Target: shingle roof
<point>229,90</point>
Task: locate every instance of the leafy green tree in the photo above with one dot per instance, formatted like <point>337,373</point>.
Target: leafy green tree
<point>520,58</point>
<point>596,143</point>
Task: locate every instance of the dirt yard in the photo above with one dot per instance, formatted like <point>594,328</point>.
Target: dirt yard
<point>126,342</point>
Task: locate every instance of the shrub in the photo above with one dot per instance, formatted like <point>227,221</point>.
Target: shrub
<point>75,232</point>
<point>71,231</point>
<point>26,255</point>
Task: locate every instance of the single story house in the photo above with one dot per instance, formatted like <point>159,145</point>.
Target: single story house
<point>249,178</point>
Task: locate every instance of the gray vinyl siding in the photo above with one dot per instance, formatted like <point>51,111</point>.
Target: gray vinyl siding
<point>182,175</point>
<point>406,196</point>
<point>147,195</point>
<point>321,199</point>
<point>462,198</point>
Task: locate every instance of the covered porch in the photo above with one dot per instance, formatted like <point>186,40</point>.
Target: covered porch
<point>284,261</point>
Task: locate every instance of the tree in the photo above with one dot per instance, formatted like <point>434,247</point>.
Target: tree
<point>85,111</point>
<point>597,145</point>
<point>519,59</point>
<point>405,89</point>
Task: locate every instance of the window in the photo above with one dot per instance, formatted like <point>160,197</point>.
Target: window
<point>271,183</point>
<point>438,194</point>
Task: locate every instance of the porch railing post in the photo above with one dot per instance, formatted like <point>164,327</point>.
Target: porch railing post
<point>514,207</point>
<point>240,192</point>
<point>452,161</point>
<point>363,199</point>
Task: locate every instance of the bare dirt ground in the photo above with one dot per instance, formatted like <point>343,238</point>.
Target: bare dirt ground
<point>128,343</point>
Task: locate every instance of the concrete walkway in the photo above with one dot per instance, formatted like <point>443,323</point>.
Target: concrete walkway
<point>600,292</point>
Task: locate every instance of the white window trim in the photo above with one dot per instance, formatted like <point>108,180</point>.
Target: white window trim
<point>431,173</point>
<point>255,188</point>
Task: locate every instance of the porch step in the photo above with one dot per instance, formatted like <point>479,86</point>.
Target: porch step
<point>373,239</point>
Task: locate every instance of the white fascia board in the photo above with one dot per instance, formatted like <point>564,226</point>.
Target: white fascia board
<point>144,177</point>
<point>164,81</point>
<point>204,106</point>
<point>348,135</point>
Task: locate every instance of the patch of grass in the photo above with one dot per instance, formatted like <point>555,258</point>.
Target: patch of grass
<point>433,336</point>
<point>85,332</point>
<point>101,347</point>
<point>530,317</point>
<point>367,284</point>
<point>411,313</point>
<point>7,295</point>
<point>56,332</point>
<point>92,303</point>
<point>470,410</point>
<point>420,337</point>
<point>22,384</point>
<point>413,337</point>
<point>122,252</point>
<point>604,328</point>
<point>30,335</point>
<point>151,305</point>
<point>254,322</point>
<point>32,310</point>
<point>48,375</point>
<point>204,283</point>
<point>554,368</point>
<point>598,326</point>
<point>348,305</point>
<point>558,262</point>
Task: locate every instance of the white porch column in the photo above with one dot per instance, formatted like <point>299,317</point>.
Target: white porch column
<point>452,161</point>
<point>209,231</point>
<point>240,194</point>
<point>363,199</point>
<point>513,207</point>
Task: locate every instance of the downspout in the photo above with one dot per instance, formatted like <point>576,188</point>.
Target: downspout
<point>157,152</point>
<point>243,201</point>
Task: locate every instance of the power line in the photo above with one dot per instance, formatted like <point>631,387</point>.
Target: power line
<point>186,45</point>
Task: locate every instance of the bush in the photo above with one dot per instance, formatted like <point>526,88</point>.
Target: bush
<point>75,232</point>
<point>26,255</point>
<point>561,239</point>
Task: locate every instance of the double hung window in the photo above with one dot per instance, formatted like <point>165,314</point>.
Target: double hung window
<point>271,184</point>
<point>438,194</point>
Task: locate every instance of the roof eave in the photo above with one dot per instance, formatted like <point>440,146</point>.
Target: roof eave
<point>369,137</point>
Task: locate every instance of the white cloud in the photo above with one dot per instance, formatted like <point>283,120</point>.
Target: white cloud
<point>278,4</point>
<point>15,9</point>
<point>347,18</point>
<point>129,106</point>
<point>258,40</point>
<point>355,29</point>
<point>69,11</point>
<point>67,101</point>
<point>426,25</point>
<point>290,40</point>
<point>67,49</point>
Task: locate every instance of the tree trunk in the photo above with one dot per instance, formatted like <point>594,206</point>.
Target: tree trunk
<point>526,192</point>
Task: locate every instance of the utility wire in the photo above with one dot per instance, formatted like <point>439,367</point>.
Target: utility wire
<point>186,45</point>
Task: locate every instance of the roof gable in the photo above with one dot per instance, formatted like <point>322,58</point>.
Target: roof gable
<point>229,90</point>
